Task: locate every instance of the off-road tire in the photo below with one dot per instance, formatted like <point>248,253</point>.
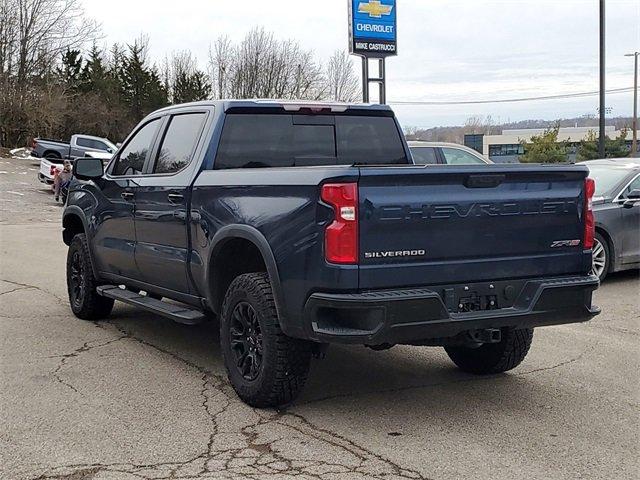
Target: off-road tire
<point>492,358</point>
<point>87,305</point>
<point>285,361</point>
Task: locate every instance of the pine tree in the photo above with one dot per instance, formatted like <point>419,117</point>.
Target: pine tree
<point>191,87</point>
<point>142,89</point>
<point>616,148</point>
<point>545,148</point>
<point>94,76</point>
<point>70,69</point>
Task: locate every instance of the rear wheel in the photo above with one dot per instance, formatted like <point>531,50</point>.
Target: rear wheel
<point>81,284</point>
<point>494,357</point>
<point>601,259</point>
<point>265,367</point>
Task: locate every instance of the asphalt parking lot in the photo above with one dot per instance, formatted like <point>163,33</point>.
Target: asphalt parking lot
<point>141,397</point>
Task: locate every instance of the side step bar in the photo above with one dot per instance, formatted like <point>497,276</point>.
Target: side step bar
<point>177,313</point>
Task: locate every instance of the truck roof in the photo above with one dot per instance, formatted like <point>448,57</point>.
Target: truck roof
<point>291,105</point>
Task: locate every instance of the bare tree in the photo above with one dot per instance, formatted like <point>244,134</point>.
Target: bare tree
<point>221,61</point>
<point>261,66</point>
<point>45,29</point>
<point>341,81</point>
<point>8,34</point>
<point>184,81</point>
<point>478,124</point>
<point>33,36</point>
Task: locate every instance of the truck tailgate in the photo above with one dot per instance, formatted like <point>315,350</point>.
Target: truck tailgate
<point>455,224</point>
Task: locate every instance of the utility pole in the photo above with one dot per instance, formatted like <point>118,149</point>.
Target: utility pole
<point>601,139</point>
<point>634,124</point>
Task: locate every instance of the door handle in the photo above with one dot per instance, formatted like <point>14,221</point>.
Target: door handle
<point>127,195</point>
<point>175,197</point>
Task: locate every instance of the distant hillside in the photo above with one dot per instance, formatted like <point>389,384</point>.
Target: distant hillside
<point>485,125</point>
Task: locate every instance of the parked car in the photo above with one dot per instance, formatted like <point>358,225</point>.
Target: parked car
<point>616,205</point>
<point>48,166</point>
<point>433,153</point>
<point>78,146</point>
<point>300,225</point>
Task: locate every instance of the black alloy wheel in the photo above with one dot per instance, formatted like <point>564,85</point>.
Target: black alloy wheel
<point>77,284</point>
<point>246,340</point>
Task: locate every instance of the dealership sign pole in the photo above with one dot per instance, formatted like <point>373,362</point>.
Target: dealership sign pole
<point>373,34</point>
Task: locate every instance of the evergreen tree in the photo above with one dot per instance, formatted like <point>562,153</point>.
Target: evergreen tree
<point>70,69</point>
<point>616,148</point>
<point>191,87</point>
<point>142,89</point>
<point>95,77</point>
<point>545,148</point>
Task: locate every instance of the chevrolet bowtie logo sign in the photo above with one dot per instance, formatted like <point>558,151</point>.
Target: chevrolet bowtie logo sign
<point>372,28</point>
<point>374,8</point>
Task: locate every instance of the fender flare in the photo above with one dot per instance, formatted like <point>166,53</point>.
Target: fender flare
<point>254,236</point>
<point>75,211</point>
<point>613,260</point>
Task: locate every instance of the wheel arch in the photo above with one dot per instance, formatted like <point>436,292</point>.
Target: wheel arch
<point>74,222</point>
<point>613,263</point>
<point>220,271</point>
<point>51,154</point>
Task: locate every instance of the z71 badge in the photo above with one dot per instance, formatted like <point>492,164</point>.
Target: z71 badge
<point>565,243</point>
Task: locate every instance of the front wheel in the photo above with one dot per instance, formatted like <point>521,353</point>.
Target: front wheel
<point>265,367</point>
<point>81,283</point>
<point>492,358</point>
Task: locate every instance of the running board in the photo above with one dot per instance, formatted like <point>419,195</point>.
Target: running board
<point>177,313</point>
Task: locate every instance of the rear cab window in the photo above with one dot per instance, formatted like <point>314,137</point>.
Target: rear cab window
<point>262,140</point>
<point>179,142</point>
<point>424,155</point>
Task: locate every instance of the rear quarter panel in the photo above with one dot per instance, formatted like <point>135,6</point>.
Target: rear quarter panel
<point>283,206</point>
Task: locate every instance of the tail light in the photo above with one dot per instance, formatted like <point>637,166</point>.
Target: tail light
<point>34,144</point>
<point>341,236</point>
<point>53,170</point>
<point>589,221</point>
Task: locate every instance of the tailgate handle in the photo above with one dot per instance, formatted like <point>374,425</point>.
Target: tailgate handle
<point>483,181</point>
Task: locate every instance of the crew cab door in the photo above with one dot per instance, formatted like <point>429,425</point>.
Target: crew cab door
<point>162,203</point>
<point>630,224</point>
<point>114,239</point>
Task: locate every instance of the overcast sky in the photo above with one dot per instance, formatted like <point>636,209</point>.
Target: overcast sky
<point>449,50</point>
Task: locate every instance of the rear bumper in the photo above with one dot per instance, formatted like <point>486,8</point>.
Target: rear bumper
<point>44,179</point>
<point>413,315</point>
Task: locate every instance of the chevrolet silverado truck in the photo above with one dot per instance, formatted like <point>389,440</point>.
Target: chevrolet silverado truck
<point>301,225</point>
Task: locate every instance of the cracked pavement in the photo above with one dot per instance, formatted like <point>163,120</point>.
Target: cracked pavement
<point>139,397</point>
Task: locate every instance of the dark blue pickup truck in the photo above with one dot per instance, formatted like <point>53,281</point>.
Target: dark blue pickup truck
<point>300,225</point>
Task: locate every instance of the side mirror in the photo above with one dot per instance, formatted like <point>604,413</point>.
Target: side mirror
<point>632,198</point>
<point>118,144</point>
<point>87,168</point>
<point>109,150</point>
<point>634,194</point>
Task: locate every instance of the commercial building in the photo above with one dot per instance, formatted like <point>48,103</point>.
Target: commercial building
<point>507,147</point>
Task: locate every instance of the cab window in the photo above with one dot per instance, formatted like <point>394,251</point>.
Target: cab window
<point>635,185</point>
<point>455,156</point>
<point>283,140</point>
<point>179,142</point>
<point>424,155</point>
<point>135,153</point>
